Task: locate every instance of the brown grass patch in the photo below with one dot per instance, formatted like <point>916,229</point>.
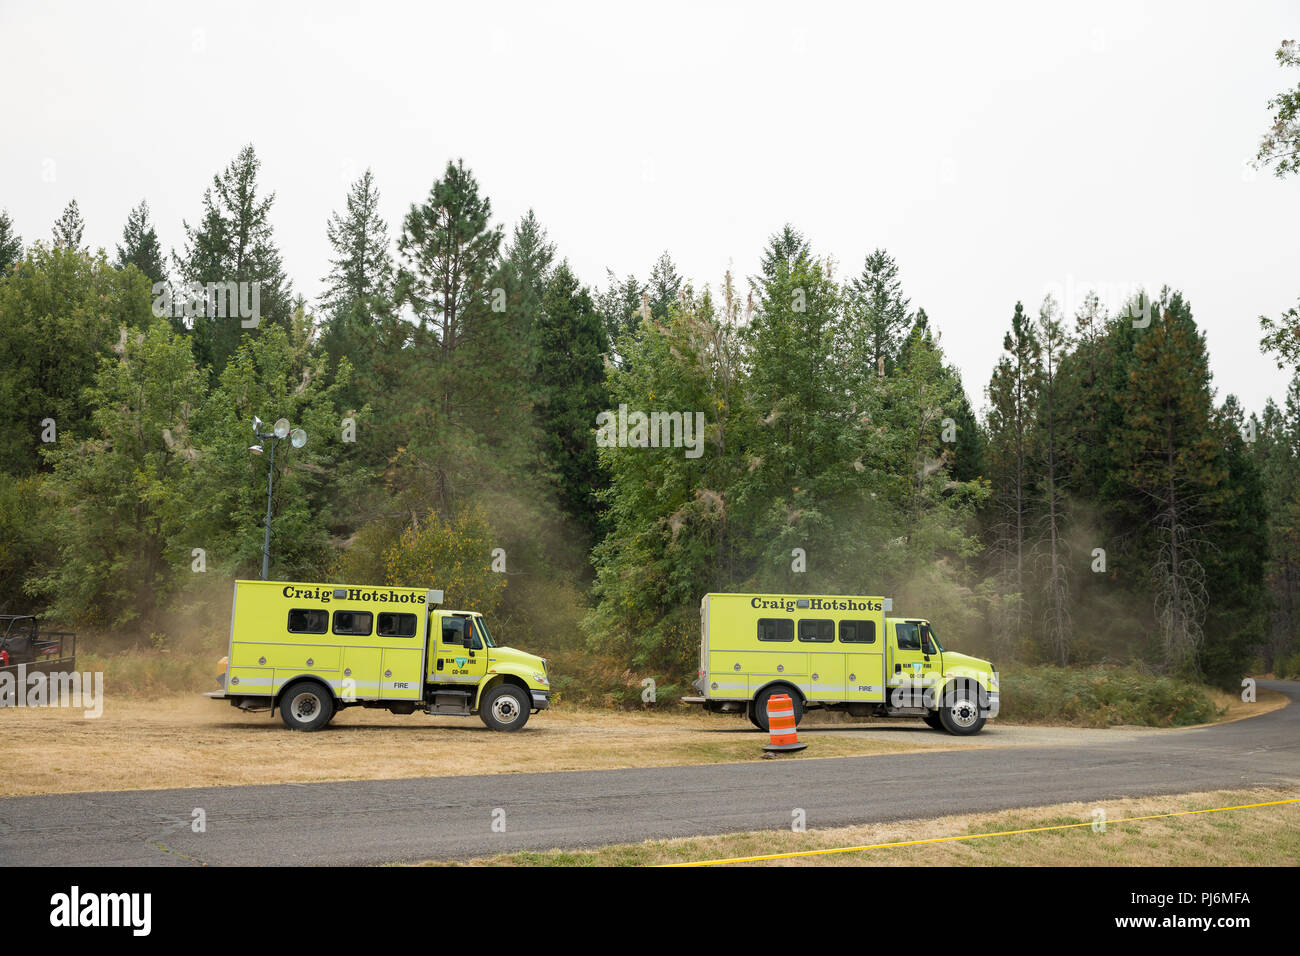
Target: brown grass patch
<point>1258,836</point>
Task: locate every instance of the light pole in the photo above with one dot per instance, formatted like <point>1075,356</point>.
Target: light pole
<point>297,438</point>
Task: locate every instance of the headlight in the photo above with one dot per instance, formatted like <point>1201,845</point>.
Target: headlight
<point>541,679</point>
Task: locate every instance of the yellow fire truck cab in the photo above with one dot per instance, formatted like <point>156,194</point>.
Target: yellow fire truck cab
<point>313,649</point>
<point>838,653</point>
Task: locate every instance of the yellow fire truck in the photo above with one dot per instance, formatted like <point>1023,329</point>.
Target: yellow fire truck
<point>311,650</point>
<point>839,653</point>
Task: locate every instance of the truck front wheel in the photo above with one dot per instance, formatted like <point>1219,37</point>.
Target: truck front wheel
<point>505,707</point>
<point>306,706</point>
<point>959,712</point>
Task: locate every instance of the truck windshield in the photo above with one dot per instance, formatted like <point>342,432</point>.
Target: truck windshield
<point>934,637</point>
<point>483,632</point>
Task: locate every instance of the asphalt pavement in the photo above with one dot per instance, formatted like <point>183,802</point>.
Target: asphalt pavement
<point>387,821</point>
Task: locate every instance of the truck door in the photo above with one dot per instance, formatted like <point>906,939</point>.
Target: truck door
<point>912,668</point>
<point>452,661</point>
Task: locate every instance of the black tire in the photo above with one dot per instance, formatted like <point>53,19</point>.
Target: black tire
<point>505,707</point>
<point>960,710</point>
<point>932,721</point>
<point>760,705</point>
<point>751,714</point>
<point>306,705</point>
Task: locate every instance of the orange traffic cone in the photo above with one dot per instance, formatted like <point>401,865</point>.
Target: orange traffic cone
<point>780,724</point>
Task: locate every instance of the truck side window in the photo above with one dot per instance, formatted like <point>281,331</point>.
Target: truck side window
<point>392,624</point>
<point>775,629</point>
<point>858,632</point>
<point>819,632</point>
<point>306,620</point>
<point>352,622</point>
<point>909,636</point>
<point>452,629</point>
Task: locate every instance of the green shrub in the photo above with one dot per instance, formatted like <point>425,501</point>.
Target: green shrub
<point>1103,696</point>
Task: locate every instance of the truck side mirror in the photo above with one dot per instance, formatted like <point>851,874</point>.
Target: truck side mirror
<point>468,639</point>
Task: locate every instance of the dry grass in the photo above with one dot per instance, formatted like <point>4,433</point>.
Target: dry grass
<point>1237,709</point>
<point>192,741</point>
<point>1259,836</point>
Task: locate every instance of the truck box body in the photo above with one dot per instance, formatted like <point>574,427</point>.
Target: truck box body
<point>366,643</point>
<point>831,648</point>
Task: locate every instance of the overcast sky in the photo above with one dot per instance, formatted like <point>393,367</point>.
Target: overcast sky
<point>997,151</point>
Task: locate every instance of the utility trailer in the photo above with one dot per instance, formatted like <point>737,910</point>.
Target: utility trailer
<point>23,643</point>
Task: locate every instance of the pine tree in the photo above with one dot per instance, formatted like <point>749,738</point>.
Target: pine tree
<point>472,375</point>
<point>1055,581</point>
<point>360,318</point>
<point>1013,394</point>
<point>1166,457</point>
<point>361,268</point>
<point>619,305</point>
<point>1277,455</point>
<point>11,244</point>
<point>68,228</point>
<point>571,376</point>
<point>814,451</point>
<point>665,286</point>
<point>449,250</point>
<point>234,242</point>
<point>1237,621</point>
<point>526,271</point>
<point>878,312</point>
<point>140,246</point>
<point>782,251</point>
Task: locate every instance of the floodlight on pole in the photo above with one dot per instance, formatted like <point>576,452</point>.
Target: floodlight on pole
<point>297,438</point>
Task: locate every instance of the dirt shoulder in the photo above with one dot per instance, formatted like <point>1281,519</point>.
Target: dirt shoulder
<point>191,741</point>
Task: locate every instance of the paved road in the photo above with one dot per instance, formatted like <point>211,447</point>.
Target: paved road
<point>451,817</point>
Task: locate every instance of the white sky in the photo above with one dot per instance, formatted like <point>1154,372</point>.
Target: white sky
<point>996,151</point>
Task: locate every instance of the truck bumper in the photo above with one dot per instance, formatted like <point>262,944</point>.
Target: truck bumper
<point>541,699</point>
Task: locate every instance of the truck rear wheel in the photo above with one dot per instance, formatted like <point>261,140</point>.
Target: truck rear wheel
<point>960,710</point>
<point>760,705</point>
<point>932,721</point>
<point>306,706</point>
<point>505,707</point>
